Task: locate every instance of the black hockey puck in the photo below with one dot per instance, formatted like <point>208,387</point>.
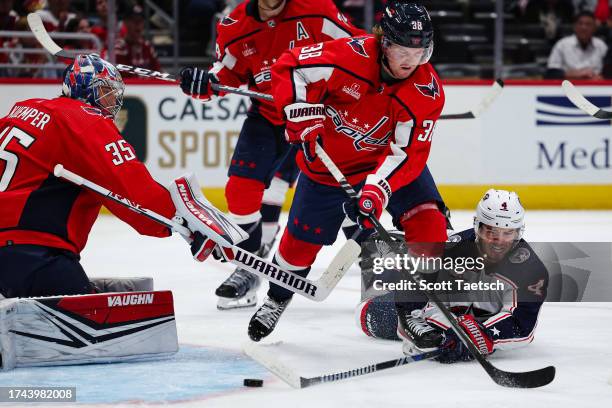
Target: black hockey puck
<point>253,382</point>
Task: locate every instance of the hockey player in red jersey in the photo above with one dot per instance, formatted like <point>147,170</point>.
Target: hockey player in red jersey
<point>250,39</point>
<point>45,221</point>
<point>373,102</point>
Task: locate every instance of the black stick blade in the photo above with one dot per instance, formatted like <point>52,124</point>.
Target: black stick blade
<point>527,379</point>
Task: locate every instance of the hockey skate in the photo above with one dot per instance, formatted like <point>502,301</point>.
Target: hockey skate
<point>416,334</point>
<point>238,290</point>
<point>266,317</point>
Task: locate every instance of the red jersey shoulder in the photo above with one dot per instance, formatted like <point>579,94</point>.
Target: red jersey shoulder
<point>83,119</point>
<point>235,25</point>
<point>423,92</point>
<point>358,55</point>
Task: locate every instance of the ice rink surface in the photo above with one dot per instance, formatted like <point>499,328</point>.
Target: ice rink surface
<point>319,338</point>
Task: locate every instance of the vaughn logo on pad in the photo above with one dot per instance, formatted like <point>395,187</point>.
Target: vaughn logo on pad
<point>560,111</point>
<point>126,300</point>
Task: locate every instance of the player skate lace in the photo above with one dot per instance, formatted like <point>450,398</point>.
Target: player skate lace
<point>270,312</point>
<point>418,326</point>
<point>239,279</point>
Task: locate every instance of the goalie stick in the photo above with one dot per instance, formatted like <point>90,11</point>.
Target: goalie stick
<point>269,361</point>
<point>527,379</point>
<point>43,37</point>
<point>317,290</point>
<point>583,103</point>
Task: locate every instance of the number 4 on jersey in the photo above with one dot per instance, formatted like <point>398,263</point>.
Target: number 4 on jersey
<point>11,159</point>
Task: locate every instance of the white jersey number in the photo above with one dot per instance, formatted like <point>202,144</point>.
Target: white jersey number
<point>11,159</point>
<point>428,126</point>
<point>121,151</point>
<point>310,52</point>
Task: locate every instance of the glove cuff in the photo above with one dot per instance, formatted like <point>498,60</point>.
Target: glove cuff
<point>301,112</point>
<point>382,185</point>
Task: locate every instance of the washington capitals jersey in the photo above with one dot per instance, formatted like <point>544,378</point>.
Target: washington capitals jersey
<point>39,209</point>
<point>509,315</point>
<point>370,126</point>
<point>247,46</point>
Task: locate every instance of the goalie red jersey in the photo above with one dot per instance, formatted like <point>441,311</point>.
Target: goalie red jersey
<point>40,209</point>
<point>247,47</point>
<point>371,127</point>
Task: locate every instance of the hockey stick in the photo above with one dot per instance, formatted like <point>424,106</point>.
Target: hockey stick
<point>269,361</point>
<point>527,379</point>
<point>42,36</point>
<point>38,29</point>
<point>484,104</point>
<point>314,290</point>
<point>581,102</point>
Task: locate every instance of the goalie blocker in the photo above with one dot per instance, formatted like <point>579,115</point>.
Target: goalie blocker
<point>84,329</point>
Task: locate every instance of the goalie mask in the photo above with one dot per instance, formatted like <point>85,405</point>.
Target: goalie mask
<point>406,27</point>
<point>95,81</point>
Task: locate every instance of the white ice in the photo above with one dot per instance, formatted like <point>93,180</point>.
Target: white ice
<point>319,338</point>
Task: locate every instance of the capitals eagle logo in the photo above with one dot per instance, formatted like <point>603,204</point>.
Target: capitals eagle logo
<point>431,90</point>
<point>357,45</point>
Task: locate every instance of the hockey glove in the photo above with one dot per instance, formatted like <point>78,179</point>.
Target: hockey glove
<point>202,247</point>
<point>304,126</point>
<point>195,82</point>
<point>454,350</point>
<point>369,204</point>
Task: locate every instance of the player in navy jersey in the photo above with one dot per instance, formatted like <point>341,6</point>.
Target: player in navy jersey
<point>494,320</point>
<point>249,41</point>
<point>373,102</point>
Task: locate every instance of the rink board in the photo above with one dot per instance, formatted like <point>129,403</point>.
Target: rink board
<point>531,140</point>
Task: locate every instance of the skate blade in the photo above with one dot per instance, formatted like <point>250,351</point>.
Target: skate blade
<point>248,300</point>
<point>409,349</point>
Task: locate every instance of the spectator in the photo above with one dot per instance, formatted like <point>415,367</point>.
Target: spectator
<point>79,25</point>
<point>43,61</point>
<point>133,49</point>
<point>56,15</point>
<point>578,56</point>
<point>8,20</point>
<point>100,29</point>
<point>550,14</point>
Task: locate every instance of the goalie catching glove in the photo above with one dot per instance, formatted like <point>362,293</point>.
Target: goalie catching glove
<point>304,126</point>
<point>454,350</point>
<point>212,231</point>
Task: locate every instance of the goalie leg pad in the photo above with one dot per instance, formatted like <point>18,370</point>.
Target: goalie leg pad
<point>85,329</point>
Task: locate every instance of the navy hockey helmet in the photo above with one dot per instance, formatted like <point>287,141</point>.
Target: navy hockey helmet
<point>95,81</point>
<point>409,25</point>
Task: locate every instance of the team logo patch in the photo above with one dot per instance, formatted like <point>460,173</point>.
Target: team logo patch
<point>92,110</point>
<point>357,45</point>
<point>227,21</point>
<point>365,136</point>
<point>353,90</point>
<point>431,90</point>
<point>520,256</point>
<point>248,49</point>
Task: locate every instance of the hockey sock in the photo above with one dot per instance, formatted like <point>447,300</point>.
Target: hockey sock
<point>269,217</point>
